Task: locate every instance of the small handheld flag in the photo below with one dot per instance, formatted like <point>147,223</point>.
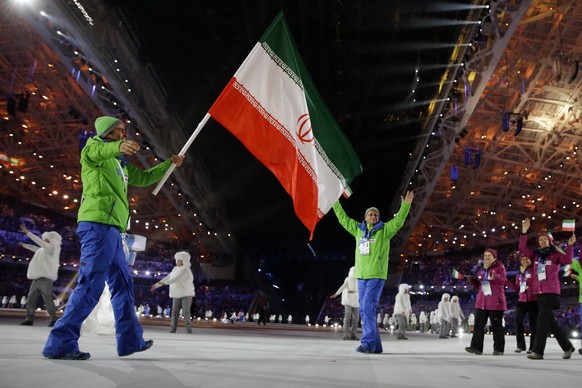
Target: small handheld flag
<point>567,270</point>
<point>568,225</point>
<point>457,274</point>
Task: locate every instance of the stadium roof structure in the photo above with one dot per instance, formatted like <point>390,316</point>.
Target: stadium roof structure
<point>507,144</point>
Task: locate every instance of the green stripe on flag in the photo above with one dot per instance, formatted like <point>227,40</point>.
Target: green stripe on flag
<point>333,143</point>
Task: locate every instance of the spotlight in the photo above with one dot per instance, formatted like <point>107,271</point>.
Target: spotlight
<point>505,117</point>
<point>454,174</point>
<point>477,160</point>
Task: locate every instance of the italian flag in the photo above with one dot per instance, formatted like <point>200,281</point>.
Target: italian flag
<point>568,225</point>
<point>272,106</point>
<point>457,275</point>
<point>567,270</point>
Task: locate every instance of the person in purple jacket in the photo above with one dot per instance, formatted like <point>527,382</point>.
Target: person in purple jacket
<point>527,285</point>
<point>547,260</point>
<point>490,303</point>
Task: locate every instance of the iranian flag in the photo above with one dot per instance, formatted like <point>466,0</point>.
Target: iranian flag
<point>568,225</point>
<point>457,275</point>
<point>272,106</point>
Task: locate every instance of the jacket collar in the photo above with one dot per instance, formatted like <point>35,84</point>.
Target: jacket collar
<point>364,228</point>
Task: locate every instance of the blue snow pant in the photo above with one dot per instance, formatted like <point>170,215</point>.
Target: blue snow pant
<point>102,259</point>
<point>370,291</point>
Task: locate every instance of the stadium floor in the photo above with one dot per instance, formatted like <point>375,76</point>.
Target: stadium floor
<point>277,355</point>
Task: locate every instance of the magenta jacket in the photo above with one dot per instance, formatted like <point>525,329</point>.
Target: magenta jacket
<point>532,286</point>
<point>496,277</point>
<point>551,285</point>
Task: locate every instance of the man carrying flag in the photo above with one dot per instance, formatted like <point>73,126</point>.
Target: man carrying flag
<point>372,249</point>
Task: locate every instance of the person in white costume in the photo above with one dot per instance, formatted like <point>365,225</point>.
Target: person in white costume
<point>413,322</point>
<point>181,282</point>
<point>350,297</point>
<point>444,311</point>
<point>101,320</point>
<point>456,315</point>
<point>422,319</point>
<point>402,309</point>
<point>43,271</point>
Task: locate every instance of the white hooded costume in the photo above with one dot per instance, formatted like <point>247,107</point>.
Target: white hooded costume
<point>444,312</point>
<point>402,309</point>
<point>456,315</point>
<point>43,271</point>
<point>181,282</point>
<point>351,303</point>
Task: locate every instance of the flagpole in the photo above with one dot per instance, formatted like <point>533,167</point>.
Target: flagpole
<point>182,152</point>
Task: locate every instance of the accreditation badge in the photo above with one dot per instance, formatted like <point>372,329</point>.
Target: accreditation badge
<point>486,287</point>
<point>522,287</point>
<point>364,246</point>
<point>541,271</point>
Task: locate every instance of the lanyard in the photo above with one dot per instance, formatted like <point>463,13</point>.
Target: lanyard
<point>486,276</point>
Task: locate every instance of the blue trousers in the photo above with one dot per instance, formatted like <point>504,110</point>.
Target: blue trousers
<point>370,291</point>
<point>102,259</point>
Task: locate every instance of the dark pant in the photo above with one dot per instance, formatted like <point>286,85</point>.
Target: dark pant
<point>262,318</point>
<point>496,317</point>
<point>184,304</point>
<point>351,318</point>
<point>41,287</point>
<point>547,324</point>
<point>102,259</point>
<point>531,309</point>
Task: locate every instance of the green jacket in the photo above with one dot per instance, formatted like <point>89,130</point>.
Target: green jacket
<point>576,267</point>
<point>105,186</point>
<point>374,265</point>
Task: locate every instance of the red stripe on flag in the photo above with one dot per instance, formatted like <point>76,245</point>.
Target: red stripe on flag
<point>243,116</point>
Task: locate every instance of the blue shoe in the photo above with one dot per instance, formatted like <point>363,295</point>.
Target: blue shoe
<point>361,349</point>
<point>77,356</point>
<point>148,344</point>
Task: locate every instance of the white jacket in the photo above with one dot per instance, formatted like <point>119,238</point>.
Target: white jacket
<point>456,311</point>
<point>444,309</point>
<point>423,318</point>
<point>180,280</point>
<point>349,290</point>
<point>45,261</point>
<point>402,304</point>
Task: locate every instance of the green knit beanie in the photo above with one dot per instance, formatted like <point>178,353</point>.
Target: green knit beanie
<point>105,124</point>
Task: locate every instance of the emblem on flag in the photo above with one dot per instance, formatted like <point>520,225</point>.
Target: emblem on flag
<point>305,131</point>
